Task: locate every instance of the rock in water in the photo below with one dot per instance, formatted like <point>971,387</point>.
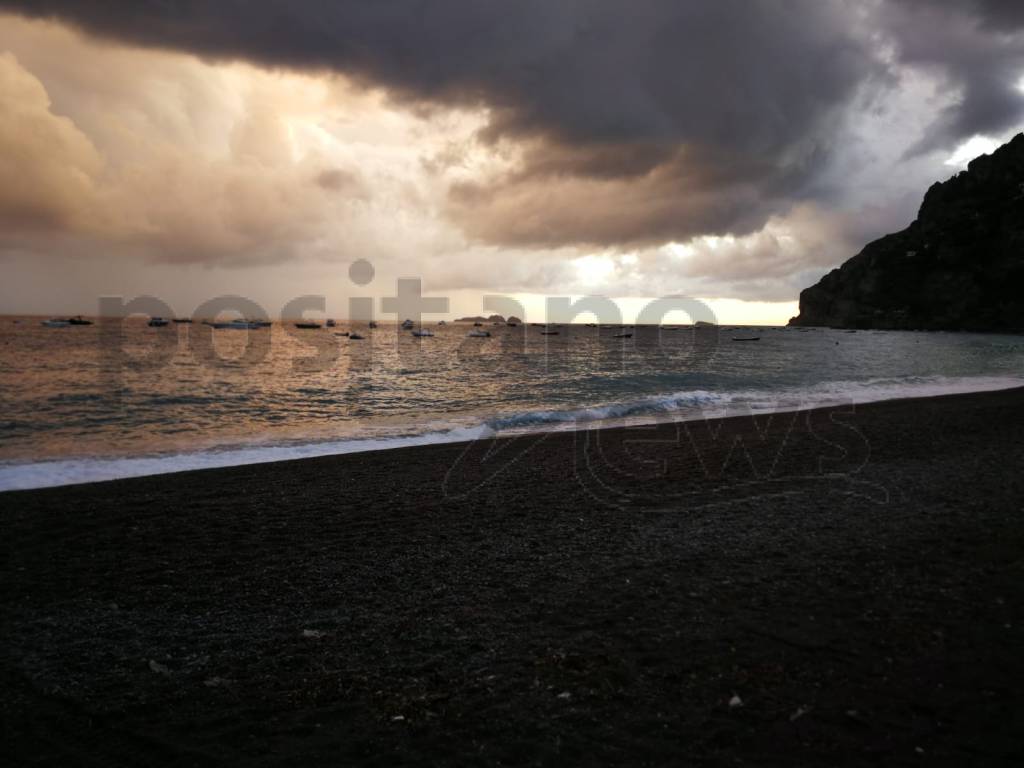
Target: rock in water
<point>959,266</point>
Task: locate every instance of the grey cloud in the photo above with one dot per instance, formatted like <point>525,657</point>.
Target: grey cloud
<point>978,46</point>
<point>604,95</point>
<point>637,122</point>
<point>596,71</point>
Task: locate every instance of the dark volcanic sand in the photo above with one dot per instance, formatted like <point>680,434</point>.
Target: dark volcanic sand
<point>855,578</point>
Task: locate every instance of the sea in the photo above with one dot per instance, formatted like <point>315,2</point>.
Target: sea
<point>120,398</point>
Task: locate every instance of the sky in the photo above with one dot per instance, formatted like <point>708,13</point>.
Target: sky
<point>733,151</point>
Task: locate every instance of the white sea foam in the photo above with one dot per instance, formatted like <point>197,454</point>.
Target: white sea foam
<point>675,406</point>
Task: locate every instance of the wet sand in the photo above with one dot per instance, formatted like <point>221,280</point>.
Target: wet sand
<point>830,587</point>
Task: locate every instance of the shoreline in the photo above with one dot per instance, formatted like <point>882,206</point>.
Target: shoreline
<point>77,471</point>
<point>855,578</point>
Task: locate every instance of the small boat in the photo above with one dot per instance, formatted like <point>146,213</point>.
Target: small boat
<point>407,325</point>
<point>746,338</point>
<point>354,336</point>
<point>549,333</point>
<point>78,320</point>
<point>623,336</point>
<point>442,322</point>
<point>56,323</point>
<point>179,320</point>
<point>331,323</point>
<point>513,325</point>
<point>157,322</point>
<point>308,326</point>
<point>237,325</point>
<point>591,325</point>
<point>479,334</point>
<point>420,333</point>
<point>372,324</point>
<point>477,325</point>
<point>342,333</point>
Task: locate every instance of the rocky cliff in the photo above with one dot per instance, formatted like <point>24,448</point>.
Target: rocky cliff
<point>959,266</point>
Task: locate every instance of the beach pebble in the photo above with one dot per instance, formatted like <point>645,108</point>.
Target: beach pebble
<point>735,702</point>
<point>159,668</point>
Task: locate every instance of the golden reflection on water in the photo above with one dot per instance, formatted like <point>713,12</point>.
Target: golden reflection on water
<point>117,388</point>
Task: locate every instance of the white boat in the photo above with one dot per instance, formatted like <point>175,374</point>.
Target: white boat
<point>479,334</point>
<point>421,332</point>
<point>56,323</point>
<point>407,325</point>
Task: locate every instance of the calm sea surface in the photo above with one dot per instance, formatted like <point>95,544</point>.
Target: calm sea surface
<point>120,398</point>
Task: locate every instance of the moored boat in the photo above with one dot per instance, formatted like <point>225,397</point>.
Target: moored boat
<point>238,325</point>
<point>157,322</point>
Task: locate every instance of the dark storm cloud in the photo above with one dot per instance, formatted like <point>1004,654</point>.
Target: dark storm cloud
<point>749,74</point>
<point>639,121</point>
<point>998,14</point>
<point>978,45</point>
